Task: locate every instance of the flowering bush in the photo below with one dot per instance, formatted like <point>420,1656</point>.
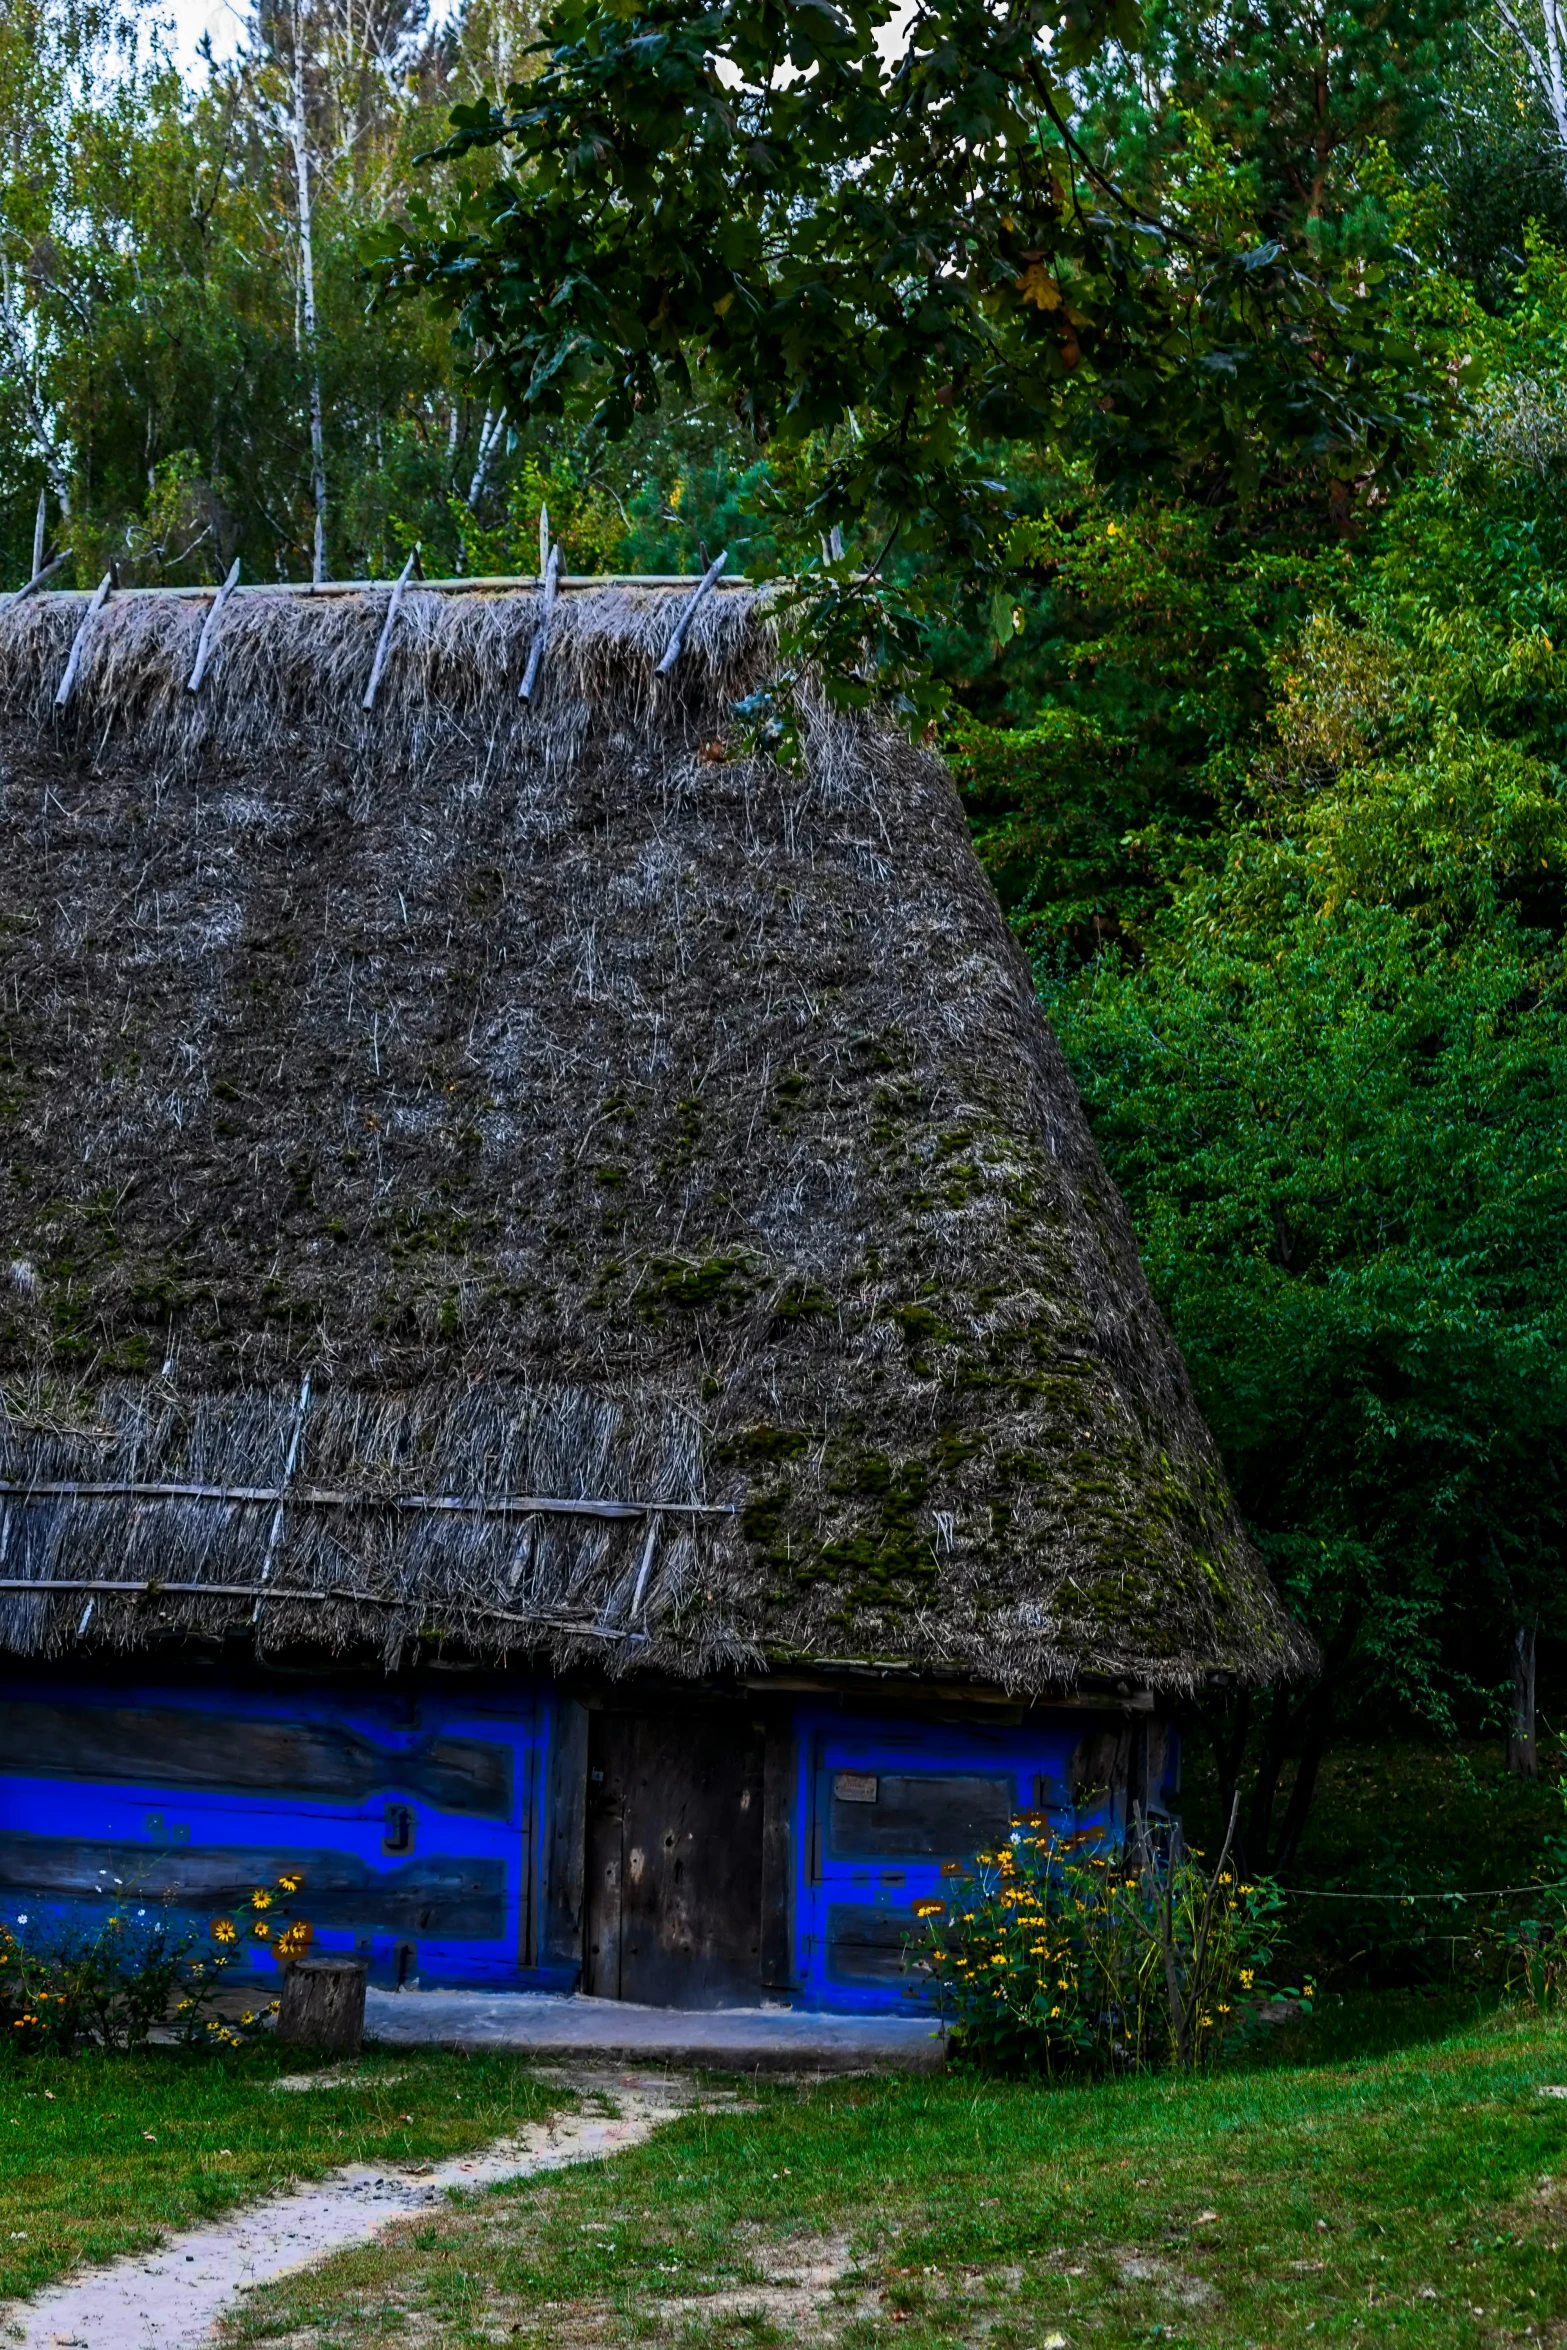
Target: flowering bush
<point>1064,1953</point>
<point>115,1983</point>
<point>282,1936</point>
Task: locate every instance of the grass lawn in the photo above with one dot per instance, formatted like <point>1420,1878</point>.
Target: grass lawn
<point>100,2154</point>
<point>1417,2197</point>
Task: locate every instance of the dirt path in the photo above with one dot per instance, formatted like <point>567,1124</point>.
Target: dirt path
<point>169,2299</point>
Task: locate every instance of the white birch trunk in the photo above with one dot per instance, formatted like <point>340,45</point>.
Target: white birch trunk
<point>1544,45</point>
<point>489,434</point>
<point>307,291</point>
<point>22,362</point>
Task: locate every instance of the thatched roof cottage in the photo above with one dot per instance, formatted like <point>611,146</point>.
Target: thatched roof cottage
<point>568,1359</point>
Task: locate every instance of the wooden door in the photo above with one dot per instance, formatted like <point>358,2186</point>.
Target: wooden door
<point>674,1859</point>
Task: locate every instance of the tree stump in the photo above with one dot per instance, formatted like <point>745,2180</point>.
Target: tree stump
<point>323,2004</point>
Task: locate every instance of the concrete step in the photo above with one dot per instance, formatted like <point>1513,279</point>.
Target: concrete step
<point>544,2025</point>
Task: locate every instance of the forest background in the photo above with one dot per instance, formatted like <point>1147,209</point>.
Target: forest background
<point>1263,750</point>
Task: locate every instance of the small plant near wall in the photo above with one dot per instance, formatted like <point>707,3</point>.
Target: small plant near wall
<point>114,1984</point>
<point>1065,1954</point>
<point>1525,1936</point>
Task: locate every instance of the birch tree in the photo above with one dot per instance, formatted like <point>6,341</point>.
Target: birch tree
<point>1541,33</point>
<point>309,331</point>
<point>338,79</point>
<point>60,61</point>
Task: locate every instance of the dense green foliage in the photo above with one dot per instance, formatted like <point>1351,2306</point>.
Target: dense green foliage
<point>1332,1081</point>
<point>156,366</point>
<point>1098,750</point>
<point>1165,250</point>
<point>1419,1862</point>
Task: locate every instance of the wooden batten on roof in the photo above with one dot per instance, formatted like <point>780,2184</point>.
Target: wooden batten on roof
<point>522,1173</point>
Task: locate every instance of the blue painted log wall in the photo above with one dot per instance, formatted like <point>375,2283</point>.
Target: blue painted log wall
<point>411,1813</point>
<point>418,1814</point>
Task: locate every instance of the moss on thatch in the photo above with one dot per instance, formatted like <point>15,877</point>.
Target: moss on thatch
<point>587,1110</point>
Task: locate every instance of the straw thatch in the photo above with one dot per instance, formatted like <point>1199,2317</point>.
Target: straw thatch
<point>416,1118</point>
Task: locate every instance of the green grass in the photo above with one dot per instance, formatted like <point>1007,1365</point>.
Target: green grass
<point>1405,2198</point>
<point>102,2153</point>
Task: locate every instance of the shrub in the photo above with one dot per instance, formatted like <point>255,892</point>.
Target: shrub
<point>1070,1954</point>
<point>117,1982</point>
<point>1525,1933</point>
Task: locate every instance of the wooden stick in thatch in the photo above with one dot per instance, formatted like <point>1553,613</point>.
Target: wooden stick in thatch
<point>339,1594</point>
<point>544,540</point>
<point>209,629</point>
<point>40,527</point>
<point>643,1572</point>
<point>708,581</point>
<point>530,676</point>
<point>275,1534</point>
<point>496,1505</point>
<point>100,597</point>
<point>384,646</point>
<point>295,1433</point>
<point>47,571</point>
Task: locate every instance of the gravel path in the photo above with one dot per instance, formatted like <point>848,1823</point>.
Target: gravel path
<point>169,2299</point>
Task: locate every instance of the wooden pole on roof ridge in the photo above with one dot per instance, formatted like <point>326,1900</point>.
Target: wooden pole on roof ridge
<point>100,597</point>
<point>544,540</point>
<point>209,629</point>
<point>530,676</point>
<point>384,647</point>
<point>708,581</point>
<point>38,578</point>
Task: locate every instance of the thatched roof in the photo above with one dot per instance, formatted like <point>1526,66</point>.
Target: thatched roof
<point>457,1114</point>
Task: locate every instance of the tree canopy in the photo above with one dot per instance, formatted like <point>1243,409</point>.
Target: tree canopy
<point>896,245</point>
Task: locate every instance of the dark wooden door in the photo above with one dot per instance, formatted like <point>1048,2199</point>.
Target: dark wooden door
<point>674,1859</point>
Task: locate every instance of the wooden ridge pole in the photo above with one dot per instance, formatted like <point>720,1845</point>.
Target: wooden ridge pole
<point>209,629</point>
<point>677,638</point>
<point>530,676</point>
<point>79,646</point>
<point>47,571</point>
<point>384,647</point>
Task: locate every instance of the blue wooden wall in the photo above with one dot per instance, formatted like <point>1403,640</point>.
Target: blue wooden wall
<point>893,1813</point>
<point>412,1813</point>
<point>418,1813</point>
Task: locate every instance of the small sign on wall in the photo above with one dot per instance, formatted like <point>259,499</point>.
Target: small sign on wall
<point>854,1786</point>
